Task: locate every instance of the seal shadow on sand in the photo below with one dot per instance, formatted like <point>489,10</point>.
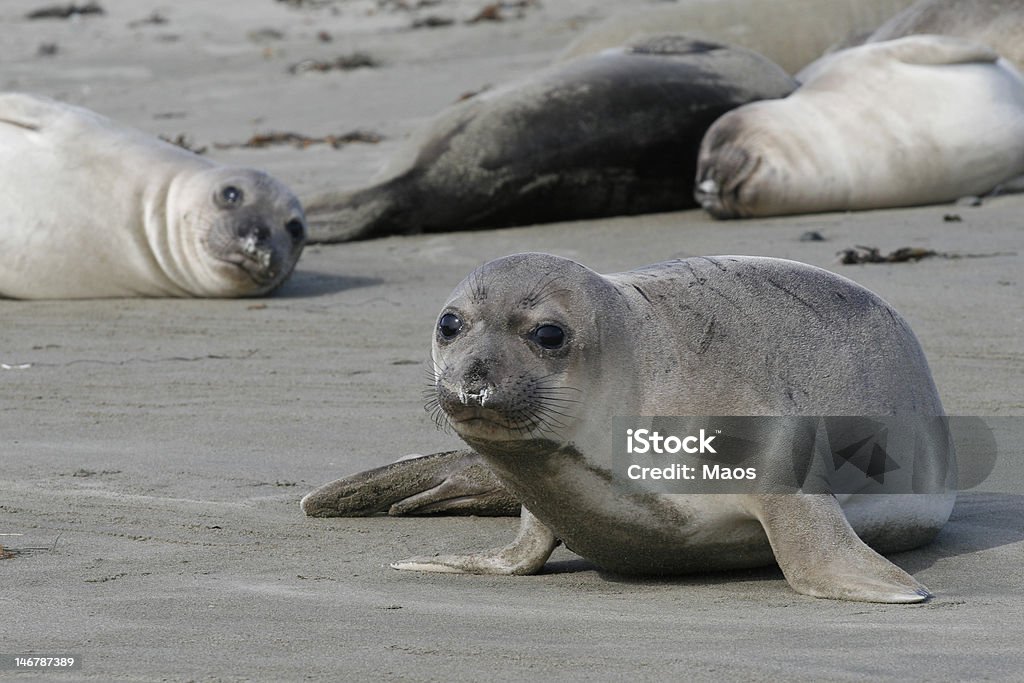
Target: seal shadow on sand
<point>999,517</point>
<point>312,283</point>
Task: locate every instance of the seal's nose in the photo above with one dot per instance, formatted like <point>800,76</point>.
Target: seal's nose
<point>476,383</point>
<point>708,186</point>
<point>706,192</point>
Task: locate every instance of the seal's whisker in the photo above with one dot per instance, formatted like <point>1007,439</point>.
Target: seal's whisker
<point>557,399</point>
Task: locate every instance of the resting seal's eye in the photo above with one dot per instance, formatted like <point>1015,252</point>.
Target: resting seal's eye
<point>548,336</point>
<point>231,196</point>
<point>449,326</point>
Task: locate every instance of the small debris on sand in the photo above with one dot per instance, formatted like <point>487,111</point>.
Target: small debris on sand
<point>265,35</point>
<point>356,60</point>
<point>433,21</point>
<point>154,19</point>
<point>812,236</point>
<point>300,141</point>
<point>488,13</point>
<point>862,254</point>
<point>65,11</point>
<point>181,141</point>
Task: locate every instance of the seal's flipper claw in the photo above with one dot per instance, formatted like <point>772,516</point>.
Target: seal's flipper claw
<point>452,482</point>
<point>525,555</point>
<point>821,555</point>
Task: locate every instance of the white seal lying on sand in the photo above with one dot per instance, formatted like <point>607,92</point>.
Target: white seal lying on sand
<point>996,23</point>
<point>791,33</point>
<point>535,355</point>
<point>90,208</point>
<point>919,120</point>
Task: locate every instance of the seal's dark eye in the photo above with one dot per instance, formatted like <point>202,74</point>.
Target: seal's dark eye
<point>548,336</point>
<point>231,195</point>
<point>295,229</point>
<point>449,325</point>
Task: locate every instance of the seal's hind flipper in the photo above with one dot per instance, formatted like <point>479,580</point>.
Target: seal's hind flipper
<point>25,111</point>
<point>453,482</point>
<point>376,211</point>
<point>525,555</point>
<point>821,555</point>
<point>936,50</point>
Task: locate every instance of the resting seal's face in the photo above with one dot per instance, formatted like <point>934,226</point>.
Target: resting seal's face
<point>244,227</point>
<point>747,163</point>
<point>512,351</point>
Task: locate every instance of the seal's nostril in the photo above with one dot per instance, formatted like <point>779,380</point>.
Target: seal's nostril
<point>257,233</point>
<point>296,229</point>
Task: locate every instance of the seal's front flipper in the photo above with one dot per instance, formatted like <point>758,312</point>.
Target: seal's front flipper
<point>822,556</point>
<point>525,555</point>
<point>453,482</point>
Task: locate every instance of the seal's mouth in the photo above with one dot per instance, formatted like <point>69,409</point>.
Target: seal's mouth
<point>261,266</point>
<point>475,417</point>
<point>484,424</point>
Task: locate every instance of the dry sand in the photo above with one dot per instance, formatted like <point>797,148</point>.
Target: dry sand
<point>155,451</point>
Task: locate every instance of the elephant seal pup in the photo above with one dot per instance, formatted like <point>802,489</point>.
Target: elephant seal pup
<point>996,23</point>
<point>90,208</point>
<point>791,33</point>
<point>535,354</point>
<point>607,135</point>
<point>919,120</point>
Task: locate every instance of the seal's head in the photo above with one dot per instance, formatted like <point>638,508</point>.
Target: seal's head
<point>732,167</point>
<point>245,230</point>
<point>513,349</point>
<point>768,158</point>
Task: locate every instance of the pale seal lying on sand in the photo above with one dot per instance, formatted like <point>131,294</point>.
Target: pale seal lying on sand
<point>606,135</point>
<point>996,23</point>
<point>90,208</point>
<point>919,120</point>
<point>791,33</point>
<point>535,355</point>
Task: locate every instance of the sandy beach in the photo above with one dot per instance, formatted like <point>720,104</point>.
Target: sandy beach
<point>155,450</point>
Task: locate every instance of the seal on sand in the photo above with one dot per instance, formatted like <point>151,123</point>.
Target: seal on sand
<point>536,354</point>
<point>90,209</point>
<point>606,135</point>
<point>998,24</point>
<point>791,33</point>
<point>946,120</point>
